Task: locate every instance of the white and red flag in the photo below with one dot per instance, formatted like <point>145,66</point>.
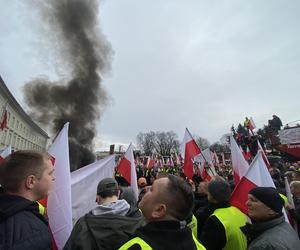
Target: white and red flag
<point>239,164</point>
<point>251,124</point>
<point>264,155</point>
<point>59,205</point>
<point>5,152</point>
<point>256,176</point>
<point>4,118</point>
<point>247,155</point>
<point>150,161</point>
<point>128,170</point>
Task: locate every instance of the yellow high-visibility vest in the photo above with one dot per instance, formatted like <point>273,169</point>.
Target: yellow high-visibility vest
<point>193,225</point>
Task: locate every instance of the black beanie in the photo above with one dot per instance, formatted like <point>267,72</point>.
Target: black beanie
<point>270,197</point>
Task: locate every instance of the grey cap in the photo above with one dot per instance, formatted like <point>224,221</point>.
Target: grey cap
<point>107,184</point>
<point>219,190</point>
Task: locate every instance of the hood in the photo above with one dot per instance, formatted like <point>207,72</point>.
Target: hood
<point>12,204</point>
<point>120,207</point>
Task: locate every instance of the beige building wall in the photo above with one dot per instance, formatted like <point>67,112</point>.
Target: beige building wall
<point>22,131</point>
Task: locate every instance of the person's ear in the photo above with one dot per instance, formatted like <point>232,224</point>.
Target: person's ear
<point>30,182</point>
<point>98,199</point>
<point>160,211</point>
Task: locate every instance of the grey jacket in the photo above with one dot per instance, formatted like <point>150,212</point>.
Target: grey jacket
<point>270,235</point>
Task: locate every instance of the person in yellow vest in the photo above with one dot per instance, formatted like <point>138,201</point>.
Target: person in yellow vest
<point>165,207</point>
<point>222,228</point>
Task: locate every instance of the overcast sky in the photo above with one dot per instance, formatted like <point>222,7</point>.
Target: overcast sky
<point>204,65</point>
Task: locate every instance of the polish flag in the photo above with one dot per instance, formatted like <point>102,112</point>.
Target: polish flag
<point>5,152</point>
<point>171,162</point>
<point>128,170</point>
<point>251,124</point>
<point>247,154</point>
<point>190,149</point>
<point>223,159</point>
<point>59,205</point>
<point>4,118</point>
<point>150,162</point>
<point>239,164</point>
<point>178,162</point>
<point>264,155</point>
<point>256,176</point>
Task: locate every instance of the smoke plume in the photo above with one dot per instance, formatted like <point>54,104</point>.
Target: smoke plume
<point>73,30</point>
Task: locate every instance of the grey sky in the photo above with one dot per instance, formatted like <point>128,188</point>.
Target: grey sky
<point>198,64</point>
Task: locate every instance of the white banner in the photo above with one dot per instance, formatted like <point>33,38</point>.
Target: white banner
<point>84,183</point>
<point>289,136</point>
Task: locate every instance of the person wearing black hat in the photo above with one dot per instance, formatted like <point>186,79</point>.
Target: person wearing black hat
<point>222,228</point>
<point>108,225</point>
<point>268,230</point>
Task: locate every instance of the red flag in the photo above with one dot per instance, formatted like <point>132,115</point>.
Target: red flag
<point>191,149</point>
<point>150,162</point>
<point>4,118</point>
<point>256,176</point>
<point>128,170</point>
<point>239,164</point>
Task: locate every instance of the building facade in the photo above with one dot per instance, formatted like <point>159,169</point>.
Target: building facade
<point>21,131</point>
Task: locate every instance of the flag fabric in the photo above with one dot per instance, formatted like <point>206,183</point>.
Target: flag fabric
<point>178,162</point>
<point>191,149</point>
<point>247,155</point>
<point>4,118</point>
<point>223,159</point>
<point>150,162</point>
<point>251,124</point>
<point>264,155</point>
<point>171,162</point>
<point>206,164</point>
<point>84,182</point>
<point>239,164</point>
<point>59,206</point>
<point>256,176</point>
<point>5,152</point>
<point>128,170</point>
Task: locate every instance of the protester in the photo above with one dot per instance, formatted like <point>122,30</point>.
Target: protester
<point>165,206</point>
<point>25,176</point>
<point>268,229</point>
<point>222,229</point>
<point>109,224</point>
<point>295,190</point>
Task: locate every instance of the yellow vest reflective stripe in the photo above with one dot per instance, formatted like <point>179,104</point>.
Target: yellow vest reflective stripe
<point>285,199</point>
<point>136,240</point>
<point>232,219</point>
<point>145,246</point>
<point>42,209</point>
<point>193,225</point>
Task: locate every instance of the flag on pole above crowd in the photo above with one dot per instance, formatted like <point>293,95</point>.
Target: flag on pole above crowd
<point>190,149</point>
<point>127,169</point>
<point>150,161</point>
<point>239,164</point>
<point>256,176</point>
<point>4,118</point>
<point>59,205</point>
<point>264,155</point>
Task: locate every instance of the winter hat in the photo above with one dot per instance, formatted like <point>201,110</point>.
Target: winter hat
<point>270,197</point>
<point>219,190</point>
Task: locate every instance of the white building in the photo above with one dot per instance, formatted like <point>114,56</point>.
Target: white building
<point>21,132</point>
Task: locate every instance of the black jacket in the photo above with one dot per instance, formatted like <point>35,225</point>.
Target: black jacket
<point>104,231</point>
<point>21,225</point>
<point>165,235</point>
<point>213,235</point>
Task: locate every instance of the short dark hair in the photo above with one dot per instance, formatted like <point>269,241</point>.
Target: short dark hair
<point>180,198</point>
<point>220,190</point>
<point>19,165</point>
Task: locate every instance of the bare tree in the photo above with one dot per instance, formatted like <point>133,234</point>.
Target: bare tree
<point>201,142</point>
<point>162,143</point>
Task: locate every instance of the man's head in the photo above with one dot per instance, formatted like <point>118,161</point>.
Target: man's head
<point>264,203</point>
<point>28,174</point>
<point>295,189</point>
<point>107,191</point>
<point>218,191</point>
<point>169,198</point>
<point>296,175</point>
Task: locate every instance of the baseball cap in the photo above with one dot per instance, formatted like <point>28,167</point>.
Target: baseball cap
<point>107,184</point>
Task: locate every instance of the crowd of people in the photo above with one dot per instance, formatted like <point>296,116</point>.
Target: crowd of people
<point>171,211</point>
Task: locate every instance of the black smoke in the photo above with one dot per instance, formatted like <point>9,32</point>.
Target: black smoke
<point>72,28</point>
